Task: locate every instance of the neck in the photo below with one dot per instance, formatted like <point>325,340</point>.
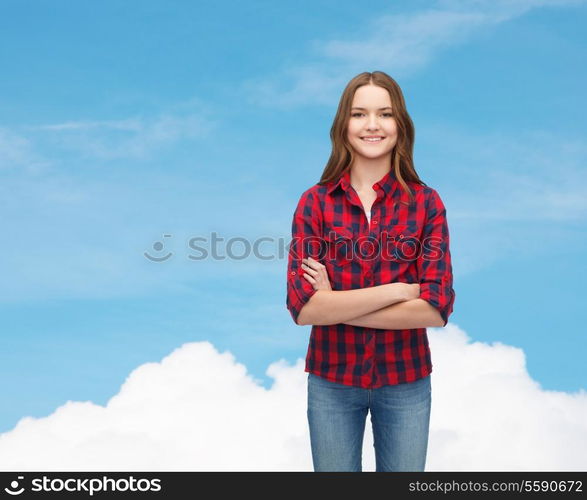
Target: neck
<point>366,172</point>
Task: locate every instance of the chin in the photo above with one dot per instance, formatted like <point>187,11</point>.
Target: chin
<point>372,153</point>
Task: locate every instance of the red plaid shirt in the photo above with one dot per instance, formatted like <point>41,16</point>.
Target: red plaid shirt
<point>402,243</point>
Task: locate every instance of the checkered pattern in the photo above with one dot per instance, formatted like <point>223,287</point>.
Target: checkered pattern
<point>402,243</point>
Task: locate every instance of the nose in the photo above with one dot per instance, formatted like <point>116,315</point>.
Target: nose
<point>372,124</point>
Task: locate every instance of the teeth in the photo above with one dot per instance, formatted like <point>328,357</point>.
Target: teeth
<point>372,139</point>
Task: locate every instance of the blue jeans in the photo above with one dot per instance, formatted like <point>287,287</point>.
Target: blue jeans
<point>400,416</point>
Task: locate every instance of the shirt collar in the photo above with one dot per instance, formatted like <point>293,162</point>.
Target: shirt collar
<point>344,181</point>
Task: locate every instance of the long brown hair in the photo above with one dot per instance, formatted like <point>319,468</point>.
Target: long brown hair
<point>342,155</point>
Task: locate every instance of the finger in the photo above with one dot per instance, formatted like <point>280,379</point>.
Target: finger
<point>313,264</point>
<point>309,278</point>
<point>319,264</point>
<point>310,268</point>
<point>323,273</point>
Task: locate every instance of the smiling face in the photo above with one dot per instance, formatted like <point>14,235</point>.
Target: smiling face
<point>372,130</point>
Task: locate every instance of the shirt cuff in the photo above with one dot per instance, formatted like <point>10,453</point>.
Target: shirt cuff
<point>299,293</point>
<point>436,297</point>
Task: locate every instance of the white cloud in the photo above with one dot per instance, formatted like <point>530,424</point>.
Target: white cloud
<point>500,189</point>
<point>535,175</point>
<point>17,152</point>
<point>199,409</point>
<point>399,43</point>
<point>128,124</point>
<point>135,137</point>
<point>503,10</point>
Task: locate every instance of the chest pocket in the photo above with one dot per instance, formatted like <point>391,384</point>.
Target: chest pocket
<point>339,246</point>
<point>401,242</point>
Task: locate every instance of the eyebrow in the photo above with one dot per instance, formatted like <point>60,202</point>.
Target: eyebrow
<point>364,109</point>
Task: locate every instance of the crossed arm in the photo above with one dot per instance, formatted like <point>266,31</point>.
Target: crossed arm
<point>390,306</point>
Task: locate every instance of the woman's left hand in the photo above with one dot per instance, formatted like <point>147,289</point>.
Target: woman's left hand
<point>315,273</point>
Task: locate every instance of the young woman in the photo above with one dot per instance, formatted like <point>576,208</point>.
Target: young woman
<point>369,268</point>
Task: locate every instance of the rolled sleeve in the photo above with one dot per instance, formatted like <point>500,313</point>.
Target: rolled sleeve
<point>434,262</point>
<point>306,241</point>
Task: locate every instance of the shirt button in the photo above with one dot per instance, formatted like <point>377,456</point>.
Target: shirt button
<point>293,272</point>
<point>374,222</point>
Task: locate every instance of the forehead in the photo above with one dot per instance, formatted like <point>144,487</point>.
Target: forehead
<point>371,96</point>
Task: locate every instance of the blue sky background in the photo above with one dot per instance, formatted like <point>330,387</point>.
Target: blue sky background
<point>122,122</point>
